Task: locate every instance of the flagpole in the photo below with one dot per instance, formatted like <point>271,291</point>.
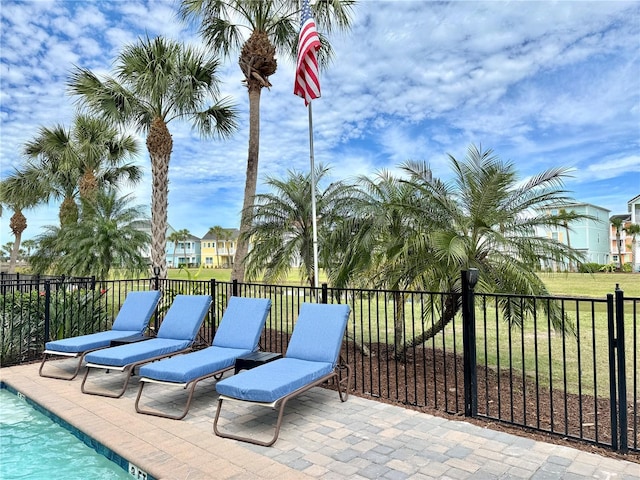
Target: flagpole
<point>313,199</point>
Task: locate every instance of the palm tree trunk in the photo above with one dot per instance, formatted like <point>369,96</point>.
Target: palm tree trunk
<point>451,306</point>
<point>242,247</point>
<point>159,145</point>
<point>18,224</point>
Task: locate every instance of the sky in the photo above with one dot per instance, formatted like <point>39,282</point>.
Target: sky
<point>543,84</point>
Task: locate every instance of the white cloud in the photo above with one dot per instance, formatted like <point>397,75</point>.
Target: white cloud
<point>542,83</point>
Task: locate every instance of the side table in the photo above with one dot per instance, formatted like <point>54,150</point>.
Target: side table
<point>254,359</point>
<point>131,339</point>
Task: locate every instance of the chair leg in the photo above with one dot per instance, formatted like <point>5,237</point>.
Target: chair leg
<point>127,372</point>
<point>157,413</point>
<point>344,395</point>
<point>71,376</point>
<point>240,438</point>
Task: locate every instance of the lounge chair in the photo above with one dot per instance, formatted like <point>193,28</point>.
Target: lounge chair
<point>311,359</point>
<point>237,335</point>
<point>176,335</point>
<point>132,319</point>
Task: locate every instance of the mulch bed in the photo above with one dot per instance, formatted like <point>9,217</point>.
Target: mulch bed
<point>432,382</point>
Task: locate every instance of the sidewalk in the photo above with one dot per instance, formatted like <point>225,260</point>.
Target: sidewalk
<point>321,438</point>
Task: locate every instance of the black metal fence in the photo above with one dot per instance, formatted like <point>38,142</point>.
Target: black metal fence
<point>456,353</point>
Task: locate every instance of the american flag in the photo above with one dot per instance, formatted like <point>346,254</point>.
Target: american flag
<point>307,83</point>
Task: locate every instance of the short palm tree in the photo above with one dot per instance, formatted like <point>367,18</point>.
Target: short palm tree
<point>281,228</point>
<point>107,240</point>
<point>157,81</point>
<point>483,218</point>
<point>258,30</point>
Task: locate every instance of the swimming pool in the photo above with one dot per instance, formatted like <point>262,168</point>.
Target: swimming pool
<point>35,444</point>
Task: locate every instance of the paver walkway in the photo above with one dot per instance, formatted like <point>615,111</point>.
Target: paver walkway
<point>320,438</point>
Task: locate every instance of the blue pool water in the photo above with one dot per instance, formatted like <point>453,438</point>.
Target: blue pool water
<point>33,446</point>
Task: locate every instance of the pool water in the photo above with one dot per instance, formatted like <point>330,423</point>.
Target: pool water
<point>33,446</point>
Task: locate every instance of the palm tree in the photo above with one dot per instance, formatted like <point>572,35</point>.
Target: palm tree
<point>174,238</point>
<point>272,27</point>
<point>633,229</point>
<point>65,163</point>
<point>183,235</point>
<point>157,81</point>
<point>281,225</point>
<point>482,219</point>
<point>16,197</point>
<point>218,232</point>
<point>29,245</point>
<point>364,247</point>
<point>106,240</point>
<point>618,223</point>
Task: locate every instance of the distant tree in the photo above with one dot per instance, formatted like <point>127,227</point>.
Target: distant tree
<point>618,224</point>
<point>174,238</point>
<point>183,235</point>
<point>158,81</point>
<point>218,232</point>
<point>16,197</point>
<point>633,229</point>
<point>29,245</point>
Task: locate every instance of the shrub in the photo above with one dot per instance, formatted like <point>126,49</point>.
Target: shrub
<point>589,267</point>
<point>71,313</point>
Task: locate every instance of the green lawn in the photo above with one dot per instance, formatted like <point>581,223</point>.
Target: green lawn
<point>567,284</point>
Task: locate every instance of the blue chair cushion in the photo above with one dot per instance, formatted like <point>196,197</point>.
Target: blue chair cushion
<point>318,332</point>
<point>84,343</point>
<point>274,380</point>
<point>184,318</point>
<point>188,367</point>
<point>136,311</point>
<point>242,323</point>
<point>123,355</point>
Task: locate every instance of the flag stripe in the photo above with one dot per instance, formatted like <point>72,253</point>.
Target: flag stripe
<point>307,81</point>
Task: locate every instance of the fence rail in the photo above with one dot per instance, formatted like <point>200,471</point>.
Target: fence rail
<point>563,365</point>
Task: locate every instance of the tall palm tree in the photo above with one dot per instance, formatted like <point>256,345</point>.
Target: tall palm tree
<point>259,30</point>
<point>67,163</point>
<point>155,82</point>
<point>106,241</point>
<point>618,224</point>
<point>633,229</point>
<point>281,225</point>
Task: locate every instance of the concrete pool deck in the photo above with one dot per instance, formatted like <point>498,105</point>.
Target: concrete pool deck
<point>320,438</point>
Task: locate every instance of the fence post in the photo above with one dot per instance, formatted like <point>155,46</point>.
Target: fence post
<point>612,372</point>
<point>622,370</point>
<point>234,288</point>
<point>325,293</point>
<point>469,279</point>
<point>47,316</point>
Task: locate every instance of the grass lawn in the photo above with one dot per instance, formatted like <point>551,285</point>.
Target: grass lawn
<point>565,284</point>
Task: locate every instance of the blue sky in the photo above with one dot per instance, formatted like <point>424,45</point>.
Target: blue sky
<point>543,84</point>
